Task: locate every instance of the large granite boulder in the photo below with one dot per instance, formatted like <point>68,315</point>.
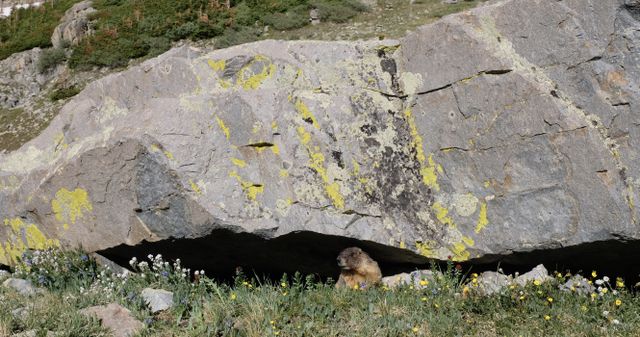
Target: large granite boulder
<point>510,128</point>
<point>74,25</point>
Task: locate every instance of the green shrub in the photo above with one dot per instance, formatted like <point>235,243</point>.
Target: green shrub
<point>64,93</point>
<point>338,11</point>
<point>50,58</point>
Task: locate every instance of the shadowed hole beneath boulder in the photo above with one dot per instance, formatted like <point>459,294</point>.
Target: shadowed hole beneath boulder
<point>222,251</point>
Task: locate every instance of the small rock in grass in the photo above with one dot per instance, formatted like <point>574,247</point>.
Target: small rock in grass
<point>28,333</point>
<point>416,278</point>
<point>539,273</point>
<point>157,299</point>
<point>491,282</point>
<point>4,275</point>
<point>20,313</point>
<point>579,285</point>
<point>116,318</point>
<point>23,287</point>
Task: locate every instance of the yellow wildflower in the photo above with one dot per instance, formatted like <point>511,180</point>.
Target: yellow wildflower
<point>547,317</point>
<point>415,329</point>
<point>272,322</point>
<point>594,274</point>
<point>424,299</point>
<point>605,290</point>
<point>284,285</point>
<point>619,283</point>
<point>356,287</point>
<point>550,299</point>
<point>618,302</point>
<point>424,283</point>
<point>537,282</point>
<point>584,308</point>
<point>522,298</point>
<point>233,296</point>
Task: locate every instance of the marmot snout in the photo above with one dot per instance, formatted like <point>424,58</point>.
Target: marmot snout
<point>358,269</point>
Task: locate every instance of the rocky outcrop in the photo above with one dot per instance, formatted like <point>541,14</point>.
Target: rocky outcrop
<point>510,128</point>
<point>20,80</point>
<point>74,25</point>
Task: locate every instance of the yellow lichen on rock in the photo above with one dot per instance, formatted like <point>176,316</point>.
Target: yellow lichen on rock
<point>224,128</point>
<point>442,214</point>
<point>194,187</point>
<point>316,162</point>
<point>306,114</point>
<point>482,218</point>
<point>428,166</point>
<point>22,236</point>
<point>248,80</point>
<point>425,249</point>
<point>217,65</point>
<point>250,189</point>
<point>69,206</point>
<point>238,162</point>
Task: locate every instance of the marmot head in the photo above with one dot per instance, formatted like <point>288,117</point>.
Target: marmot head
<point>351,258</point>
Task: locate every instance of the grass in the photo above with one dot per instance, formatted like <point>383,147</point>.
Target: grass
<point>303,306</point>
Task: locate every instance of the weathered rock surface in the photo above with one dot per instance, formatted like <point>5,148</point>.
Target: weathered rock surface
<point>539,273</point>
<point>4,275</point>
<point>74,25</point>
<point>116,318</point>
<point>578,284</point>
<point>418,279</point>
<point>491,282</point>
<point>20,79</point>
<point>157,299</point>
<point>23,287</point>
<point>510,128</point>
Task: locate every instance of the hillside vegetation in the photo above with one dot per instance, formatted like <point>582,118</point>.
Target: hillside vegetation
<point>130,29</point>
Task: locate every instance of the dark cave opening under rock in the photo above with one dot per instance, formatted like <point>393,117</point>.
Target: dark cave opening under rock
<point>223,250</point>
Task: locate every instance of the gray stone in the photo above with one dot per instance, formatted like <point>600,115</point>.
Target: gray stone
<point>23,287</point>
<point>74,25</point>
<point>504,129</point>
<point>20,313</point>
<point>28,333</point>
<point>157,299</point>
<point>578,284</point>
<point>116,318</point>
<point>4,275</point>
<point>416,278</point>
<point>491,282</point>
<point>538,273</point>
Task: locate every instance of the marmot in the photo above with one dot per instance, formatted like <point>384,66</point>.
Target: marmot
<point>357,269</point>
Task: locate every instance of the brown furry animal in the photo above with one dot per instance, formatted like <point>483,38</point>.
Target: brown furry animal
<point>358,270</point>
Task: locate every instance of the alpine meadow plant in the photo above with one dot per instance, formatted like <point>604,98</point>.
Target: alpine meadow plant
<point>57,269</point>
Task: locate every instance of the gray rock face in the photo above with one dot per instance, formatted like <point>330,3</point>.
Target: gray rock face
<point>157,299</point>
<point>116,318</point>
<point>74,25</point>
<point>20,80</point>
<point>510,128</point>
<point>491,282</point>
<point>4,275</point>
<point>418,279</point>
<point>23,287</point>
<point>578,284</point>
<point>539,273</point>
